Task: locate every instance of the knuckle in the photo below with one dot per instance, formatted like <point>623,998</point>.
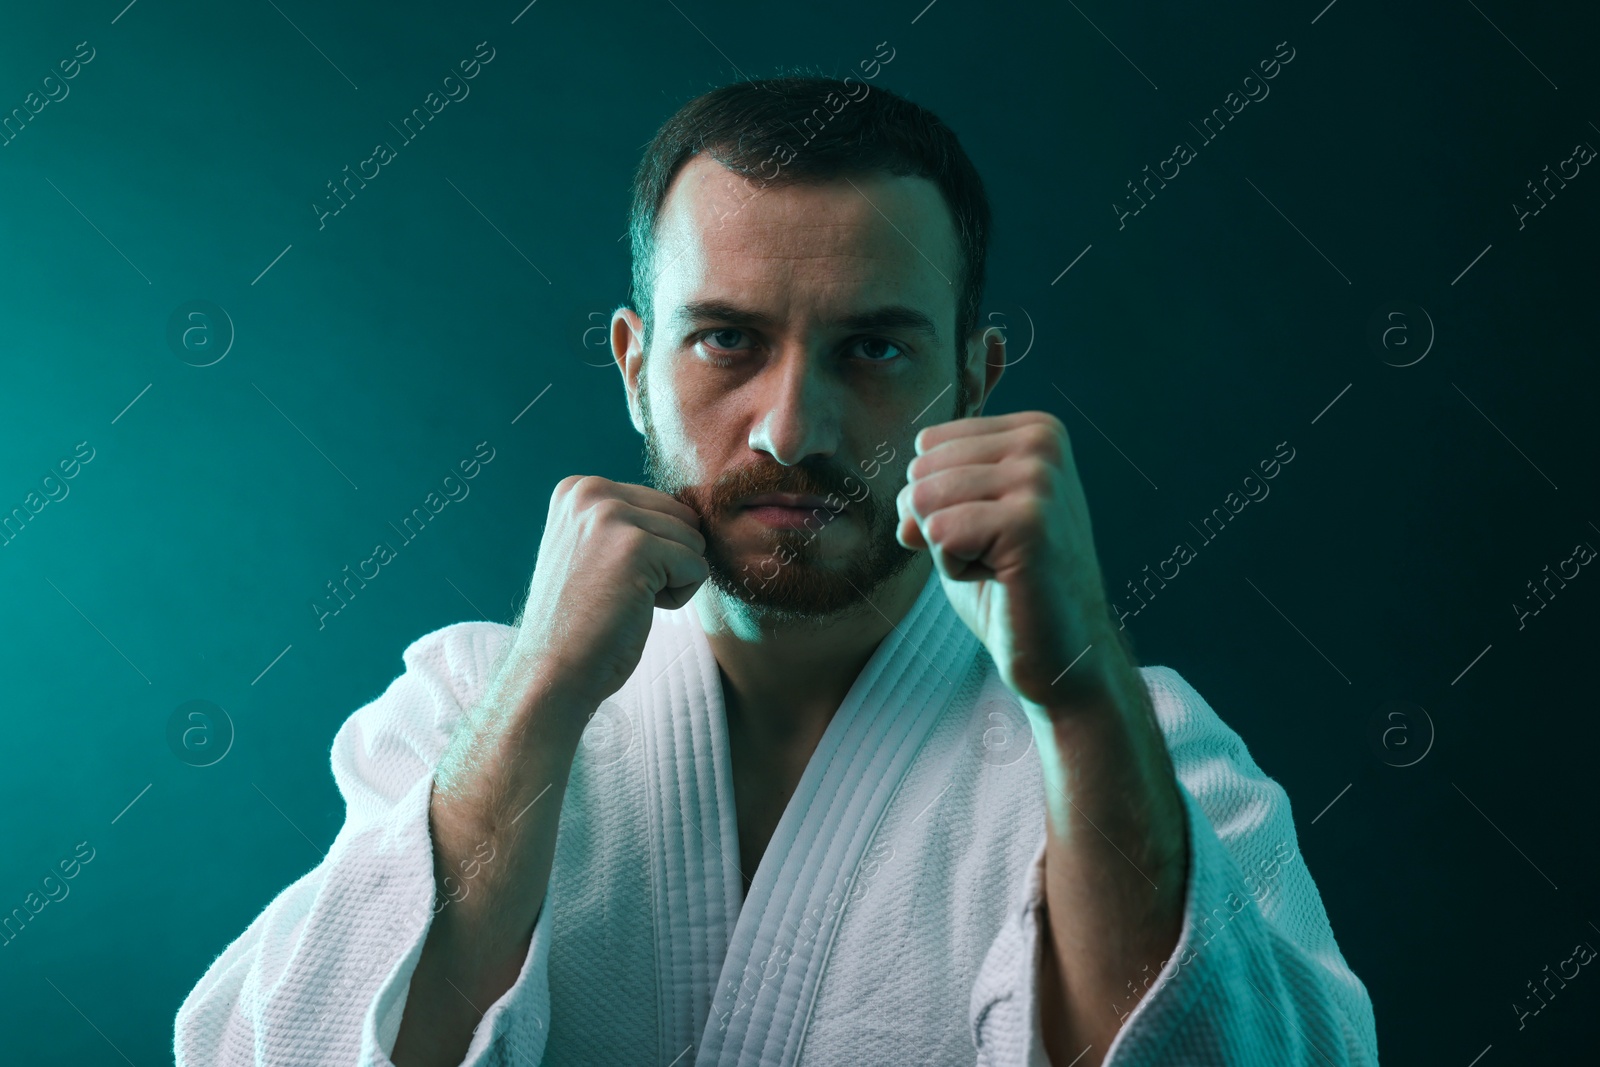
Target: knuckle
<point>607,509</point>
<point>1048,438</point>
<point>636,540</point>
<point>1040,475</point>
<point>564,488</point>
<point>587,488</point>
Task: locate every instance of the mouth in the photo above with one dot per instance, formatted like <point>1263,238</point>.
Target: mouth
<point>786,500</point>
<point>789,510</point>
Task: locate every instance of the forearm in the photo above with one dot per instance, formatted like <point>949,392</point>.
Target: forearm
<point>1116,852</point>
<point>493,818</point>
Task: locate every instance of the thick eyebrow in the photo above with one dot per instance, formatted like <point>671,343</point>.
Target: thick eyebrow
<point>888,317</point>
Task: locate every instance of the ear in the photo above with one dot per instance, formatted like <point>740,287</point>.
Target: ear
<point>627,347</point>
<point>986,361</point>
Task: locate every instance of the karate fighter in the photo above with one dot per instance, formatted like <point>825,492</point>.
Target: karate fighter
<point>823,748</point>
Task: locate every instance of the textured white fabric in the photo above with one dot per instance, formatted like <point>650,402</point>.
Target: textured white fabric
<point>892,919</point>
<point>1256,977</point>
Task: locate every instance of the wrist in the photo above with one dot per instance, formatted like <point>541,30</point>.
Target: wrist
<point>544,700</point>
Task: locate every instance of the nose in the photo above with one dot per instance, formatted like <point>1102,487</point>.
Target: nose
<point>799,414</point>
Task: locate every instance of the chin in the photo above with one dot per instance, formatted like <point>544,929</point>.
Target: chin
<point>808,585</point>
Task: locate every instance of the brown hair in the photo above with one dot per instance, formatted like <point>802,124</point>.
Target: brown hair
<point>810,129</point>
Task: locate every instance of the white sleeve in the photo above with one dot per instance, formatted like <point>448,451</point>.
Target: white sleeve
<point>1256,977</point>
<point>320,977</point>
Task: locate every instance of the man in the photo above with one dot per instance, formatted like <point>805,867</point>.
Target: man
<point>821,749</point>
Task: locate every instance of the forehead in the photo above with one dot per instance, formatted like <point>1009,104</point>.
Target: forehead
<point>803,249</point>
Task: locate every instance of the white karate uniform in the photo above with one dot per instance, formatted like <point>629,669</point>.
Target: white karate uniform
<point>892,919</point>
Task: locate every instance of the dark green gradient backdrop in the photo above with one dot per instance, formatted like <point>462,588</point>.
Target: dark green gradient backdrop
<point>369,357</point>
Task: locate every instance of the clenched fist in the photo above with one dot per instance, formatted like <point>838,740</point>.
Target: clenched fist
<point>611,553</point>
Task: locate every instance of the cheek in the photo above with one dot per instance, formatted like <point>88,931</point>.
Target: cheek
<point>679,423</point>
<point>890,484</point>
<point>904,453</point>
<point>701,446</point>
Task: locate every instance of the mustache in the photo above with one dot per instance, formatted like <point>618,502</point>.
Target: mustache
<point>821,479</point>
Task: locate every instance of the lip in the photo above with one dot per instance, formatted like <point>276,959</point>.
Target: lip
<point>786,500</point>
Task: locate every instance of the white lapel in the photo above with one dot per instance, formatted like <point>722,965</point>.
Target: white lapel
<point>694,833</point>
<point>778,948</point>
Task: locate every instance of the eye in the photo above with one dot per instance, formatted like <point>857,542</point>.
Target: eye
<point>716,348</point>
<point>721,334</point>
<point>872,348</point>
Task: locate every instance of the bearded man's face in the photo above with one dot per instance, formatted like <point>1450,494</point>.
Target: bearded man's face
<point>801,336</point>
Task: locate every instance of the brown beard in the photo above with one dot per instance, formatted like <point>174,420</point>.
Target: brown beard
<point>804,588</point>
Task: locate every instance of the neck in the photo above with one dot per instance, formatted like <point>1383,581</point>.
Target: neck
<point>785,679</point>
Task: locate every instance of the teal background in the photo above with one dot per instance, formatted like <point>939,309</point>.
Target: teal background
<point>456,289</point>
